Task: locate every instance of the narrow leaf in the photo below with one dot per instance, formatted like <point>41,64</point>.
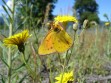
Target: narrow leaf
<point>5,20</point>
<point>22,64</point>
<point>7,6</point>
<point>6,12</point>
<point>21,81</point>
<point>4,62</point>
<point>2,78</point>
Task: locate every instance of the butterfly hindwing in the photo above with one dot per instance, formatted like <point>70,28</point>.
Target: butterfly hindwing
<point>62,41</point>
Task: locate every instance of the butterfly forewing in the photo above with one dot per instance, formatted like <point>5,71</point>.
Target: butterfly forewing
<point>46,46</point>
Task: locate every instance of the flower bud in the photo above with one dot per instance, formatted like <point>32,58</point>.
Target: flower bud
<point>75,26</point>
<point>85,23</point>
<point>107,24</point>
<point>93,23</point>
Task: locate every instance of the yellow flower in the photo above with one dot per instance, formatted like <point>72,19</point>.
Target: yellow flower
<point>65,18</point>
<point>65,77</point>
<point>107,23</point>
<point>17,39</point>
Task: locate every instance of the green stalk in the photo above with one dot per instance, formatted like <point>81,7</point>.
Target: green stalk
<point>10,34</point>
<point>33,75</point>
<point>9,64</point>
<point>68,58</point>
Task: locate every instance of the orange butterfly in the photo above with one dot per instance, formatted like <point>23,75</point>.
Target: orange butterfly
<point>57,40</point>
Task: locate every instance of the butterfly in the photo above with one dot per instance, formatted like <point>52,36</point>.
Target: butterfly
<point>56,40</point>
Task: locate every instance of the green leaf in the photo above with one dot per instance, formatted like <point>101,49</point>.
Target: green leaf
<point>7,5</point>
<point>2,78</point>
<point>16,77</point>
<point>21,65</point>
<point>15,56</point>
<point>4,62</point>
<point>19,27</point>
<point>7,12</point>
<point>3,58</point>
<point>3,81</point>
<point>21,81</point>
<point>5,20</point>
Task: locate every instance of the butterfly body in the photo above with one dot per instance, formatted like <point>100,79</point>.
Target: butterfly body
<point>57,40</point>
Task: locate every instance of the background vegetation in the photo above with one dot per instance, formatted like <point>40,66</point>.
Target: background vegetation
<point>87,9</point>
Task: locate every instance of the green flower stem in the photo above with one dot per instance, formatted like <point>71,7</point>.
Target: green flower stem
<point>9,64</point>
<point>10,33</point>
<point>63,74</point>
<point>59,57</point>
<point>28,66</point>
<point>96,41</point>
<point>108,44</point>
<point>50,74</point>
<point>68,58</point>
<point>82,34</point>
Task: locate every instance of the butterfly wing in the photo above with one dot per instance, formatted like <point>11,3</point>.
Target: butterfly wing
<point>62,41</point>
<point>46,46</point>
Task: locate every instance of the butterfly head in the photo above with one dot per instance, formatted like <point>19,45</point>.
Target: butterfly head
<point>56,26</point>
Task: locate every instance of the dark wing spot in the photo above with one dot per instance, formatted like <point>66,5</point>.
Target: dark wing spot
<point>47,40</point>
<point>59,41</point>
<point>69,81</point>
<point>50,47</point>
<point>67,42</point>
